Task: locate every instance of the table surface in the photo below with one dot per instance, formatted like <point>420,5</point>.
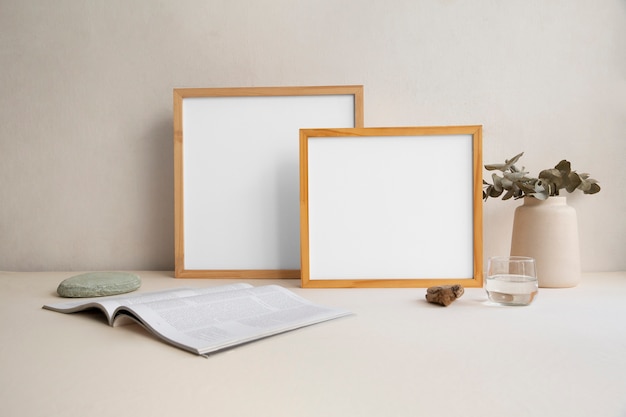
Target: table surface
<point>564,355</point>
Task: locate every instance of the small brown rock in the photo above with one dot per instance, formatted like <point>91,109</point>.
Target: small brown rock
<point>444,294</point>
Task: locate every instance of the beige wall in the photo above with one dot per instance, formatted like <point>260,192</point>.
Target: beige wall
<point>86,173</point>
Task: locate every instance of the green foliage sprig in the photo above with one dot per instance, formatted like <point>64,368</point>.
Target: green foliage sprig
<point>514,182</point>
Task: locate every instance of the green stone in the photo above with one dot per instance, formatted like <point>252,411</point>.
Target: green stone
<point>98,284</point>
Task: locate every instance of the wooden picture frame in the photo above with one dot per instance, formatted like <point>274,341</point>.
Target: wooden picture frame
<point>391,207</point>
<point>236,175</point>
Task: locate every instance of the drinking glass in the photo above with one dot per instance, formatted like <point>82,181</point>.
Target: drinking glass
<point>511,280</point>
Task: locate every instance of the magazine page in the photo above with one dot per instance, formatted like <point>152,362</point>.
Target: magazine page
<point>110,304</point>
<point>209,322</point>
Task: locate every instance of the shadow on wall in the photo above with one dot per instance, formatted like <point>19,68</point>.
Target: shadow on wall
<point>288,217</point>
<point>157,188</point>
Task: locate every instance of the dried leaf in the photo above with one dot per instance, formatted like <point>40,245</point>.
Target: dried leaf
<point>497,182</point>
<point>564,166</point>
<point>509,194</point>
<point>573,182</point>
<point>595,188</point>
<point>503,167</point>
<point>494,193</point>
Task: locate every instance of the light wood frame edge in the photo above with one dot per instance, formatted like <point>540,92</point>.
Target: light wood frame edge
<point>475,282</point>
<point>182,93</point>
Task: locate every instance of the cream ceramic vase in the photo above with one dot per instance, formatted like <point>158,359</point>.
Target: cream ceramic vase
<point>547,230</point>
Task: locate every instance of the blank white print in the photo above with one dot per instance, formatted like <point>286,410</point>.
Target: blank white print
<point>240,176</point>
<point>396,207</point>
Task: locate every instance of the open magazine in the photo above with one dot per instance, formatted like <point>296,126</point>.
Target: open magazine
<point>209,319</point>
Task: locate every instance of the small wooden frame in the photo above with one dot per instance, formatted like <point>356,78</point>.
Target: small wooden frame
<point>391,207</point>
<point>236,175</point>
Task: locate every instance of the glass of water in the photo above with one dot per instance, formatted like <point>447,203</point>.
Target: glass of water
<point>511,280</point>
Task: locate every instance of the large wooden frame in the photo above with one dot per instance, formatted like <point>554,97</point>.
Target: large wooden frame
<point>391,207</point>
<point>236,175</point>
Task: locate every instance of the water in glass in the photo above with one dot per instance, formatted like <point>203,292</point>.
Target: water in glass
<point>511,289</point>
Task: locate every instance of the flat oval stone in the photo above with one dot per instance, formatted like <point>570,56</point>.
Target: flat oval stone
<point>98,284</point>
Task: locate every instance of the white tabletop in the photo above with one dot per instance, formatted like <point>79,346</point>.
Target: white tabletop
<point>564,355</point>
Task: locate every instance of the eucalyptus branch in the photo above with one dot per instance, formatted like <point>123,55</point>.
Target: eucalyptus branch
<point>515,183</point>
